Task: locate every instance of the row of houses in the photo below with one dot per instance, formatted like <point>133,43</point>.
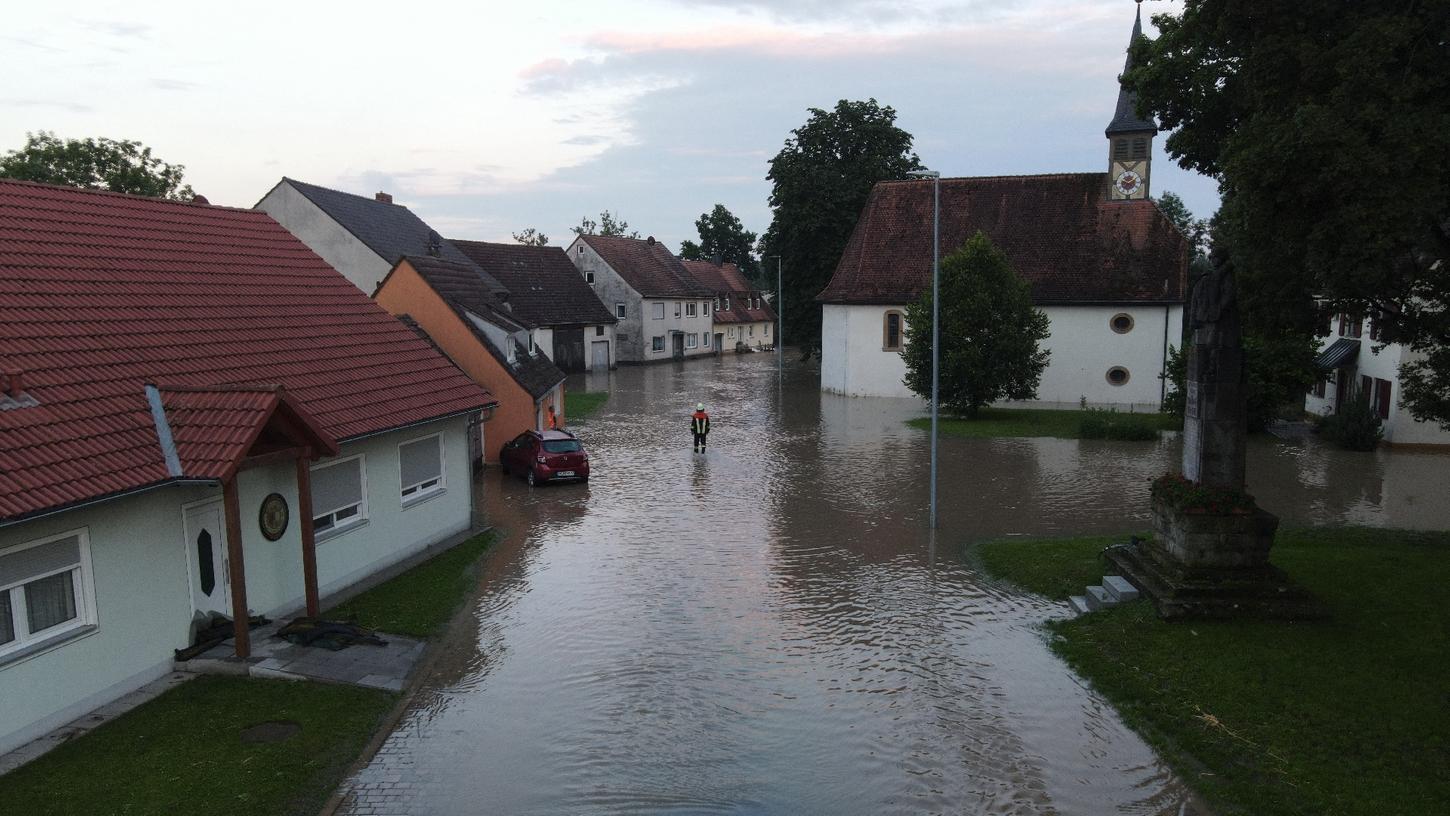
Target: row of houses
<point>216,411</point>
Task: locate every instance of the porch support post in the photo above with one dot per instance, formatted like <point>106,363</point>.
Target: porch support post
<point>309,539</point>
<point>241,632</point>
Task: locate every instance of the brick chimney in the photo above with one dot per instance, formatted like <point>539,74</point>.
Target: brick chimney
<point>386,198</point>
<point>14,382</point>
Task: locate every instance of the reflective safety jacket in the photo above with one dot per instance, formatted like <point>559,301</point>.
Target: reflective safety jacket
<point>700,423</point>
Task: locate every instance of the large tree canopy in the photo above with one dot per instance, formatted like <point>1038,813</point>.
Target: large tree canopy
<point>821,180</point>
<point>100,164</point>
<point>721,233</point>
<point>990,332</point>
<point>609,225</point>
<point>1327,124</point>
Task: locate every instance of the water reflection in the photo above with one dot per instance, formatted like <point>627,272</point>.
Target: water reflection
<point>767,628</point>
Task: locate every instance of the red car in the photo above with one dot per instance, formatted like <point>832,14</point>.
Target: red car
<point>545,456</point>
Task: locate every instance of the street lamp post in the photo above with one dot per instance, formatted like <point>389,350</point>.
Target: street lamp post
<point>779,316</point>
<point>935,319</point>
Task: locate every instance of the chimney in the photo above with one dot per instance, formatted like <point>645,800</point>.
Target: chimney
<point>650,240</point>
<point>717,259</point>
<point>199,199</point>
<point>15,382</point>
<point>435,244</point>
<point>386,198</point>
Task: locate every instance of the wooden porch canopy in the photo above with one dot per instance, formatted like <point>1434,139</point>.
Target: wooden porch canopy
<point>215,432</point>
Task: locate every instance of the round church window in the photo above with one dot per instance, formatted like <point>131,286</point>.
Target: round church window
<point>1117,375</point>
<point>1122,323</point>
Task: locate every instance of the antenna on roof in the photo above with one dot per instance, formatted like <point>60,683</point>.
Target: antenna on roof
<point>435,244</point>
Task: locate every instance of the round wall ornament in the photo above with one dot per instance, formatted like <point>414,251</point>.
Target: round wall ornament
<point>273,517</point>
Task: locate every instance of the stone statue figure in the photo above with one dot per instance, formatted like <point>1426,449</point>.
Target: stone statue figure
<point>1215,419</point>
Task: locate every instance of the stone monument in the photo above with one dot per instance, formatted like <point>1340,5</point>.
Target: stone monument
<point>1209,556</point>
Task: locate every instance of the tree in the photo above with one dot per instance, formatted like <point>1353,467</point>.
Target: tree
<point>990,332</point>
<point>1327,125</point>
<point>1194,229</point>
<point>531,237</point>
<point>822,177</point>
<point>99,164</point>
<point>721,233</point>
<point>608,225</point>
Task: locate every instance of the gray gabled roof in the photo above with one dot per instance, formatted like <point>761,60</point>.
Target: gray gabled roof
<point>390,230</point>
<point>1125,116</point>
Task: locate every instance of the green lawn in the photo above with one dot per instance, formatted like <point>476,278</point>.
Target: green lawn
<point>183,753</point>
<point>1347,716</point>
<point>580,404</point>
<point>1065,424</point>
<point>420,602</point>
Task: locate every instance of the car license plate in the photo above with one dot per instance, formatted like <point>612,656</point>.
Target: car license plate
<point>564,473</point>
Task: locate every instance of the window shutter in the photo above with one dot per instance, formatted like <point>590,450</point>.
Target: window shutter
<point>420,461</point>
<point>336,487</point>
<point>18,567</point>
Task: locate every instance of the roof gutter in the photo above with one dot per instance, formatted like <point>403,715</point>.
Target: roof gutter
<point>440,418</point>
<point>84,503</point>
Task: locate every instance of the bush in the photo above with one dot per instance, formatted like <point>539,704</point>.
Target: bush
<point>1097,423</point>
<point>1356,426</point>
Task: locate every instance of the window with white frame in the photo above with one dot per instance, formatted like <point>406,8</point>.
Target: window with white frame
<point>691,341</point>
<point>45,591</point>
<point>420,467</point>
<point>750,329</point>
<point>339,500</point>
<point>706,308</point>
<point>659,310</point>
<point>657,344</point>
<point>677,308</point>
<point>765,329</point>
<point>690,309</point>
<point>619,310</point>
<point>589,277</point>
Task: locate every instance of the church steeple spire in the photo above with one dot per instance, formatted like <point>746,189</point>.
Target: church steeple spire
<point>1130,137</point>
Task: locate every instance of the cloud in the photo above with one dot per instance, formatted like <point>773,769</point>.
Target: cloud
<point>118,28</point>
<point>58,104</point>
<point>164,84</point>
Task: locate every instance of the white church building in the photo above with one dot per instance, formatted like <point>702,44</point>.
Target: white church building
<point>1107,267</point>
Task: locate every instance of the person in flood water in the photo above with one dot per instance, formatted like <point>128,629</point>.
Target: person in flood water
<point>700,426</point>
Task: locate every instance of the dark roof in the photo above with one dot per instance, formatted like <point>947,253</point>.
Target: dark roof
<point>1060,233</point>
<point>1125,116</point>
<point>544,287</point>
<point>390,230</point>
<point>102,293</point>
<point>1340,353</point>
<point>647,266</point>
<point>461,289</point>
<point>728,279</point>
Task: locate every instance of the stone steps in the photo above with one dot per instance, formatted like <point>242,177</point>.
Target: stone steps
<point>1114,589</point>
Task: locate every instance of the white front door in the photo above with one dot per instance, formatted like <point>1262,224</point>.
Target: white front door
<point>600,355</point>
<point>206,551</point>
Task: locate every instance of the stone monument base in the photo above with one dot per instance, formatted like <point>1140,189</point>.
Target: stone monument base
<point>1213,566</point>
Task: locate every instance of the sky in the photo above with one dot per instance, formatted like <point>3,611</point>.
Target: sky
<point>486,118</point>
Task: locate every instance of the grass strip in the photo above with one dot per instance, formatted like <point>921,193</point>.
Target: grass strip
<point>1062,424</point>
<point>1347,716</point>
<point>419,602</point>
<point>183,753</point>
<point>580,404</point>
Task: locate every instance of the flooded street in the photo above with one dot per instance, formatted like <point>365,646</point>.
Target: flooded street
<point>768,628</point>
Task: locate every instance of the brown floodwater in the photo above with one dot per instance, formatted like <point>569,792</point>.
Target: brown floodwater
<point>768,628</point>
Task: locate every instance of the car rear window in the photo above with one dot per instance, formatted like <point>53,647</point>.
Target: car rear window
<point>561,446</point>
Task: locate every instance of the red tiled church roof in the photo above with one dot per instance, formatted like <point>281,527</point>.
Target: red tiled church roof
<point>102,293</point>
<point>1059,232</point>
<point>727,278</point>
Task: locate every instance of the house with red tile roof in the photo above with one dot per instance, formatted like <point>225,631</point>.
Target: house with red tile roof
<point>1103,262</point>
<point>744,319</point>
<point>200,418</point>
<point>664,313</point>
<point>573,327</point>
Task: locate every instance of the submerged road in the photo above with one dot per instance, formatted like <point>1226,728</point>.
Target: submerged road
<point>768,628</point>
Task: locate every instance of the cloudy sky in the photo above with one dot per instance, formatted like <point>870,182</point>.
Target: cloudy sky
<point>487,117</point>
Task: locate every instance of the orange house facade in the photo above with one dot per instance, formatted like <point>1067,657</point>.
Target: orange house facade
<point>453,305</point>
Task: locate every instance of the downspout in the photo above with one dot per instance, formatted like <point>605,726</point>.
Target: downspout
<point>1163,371</point>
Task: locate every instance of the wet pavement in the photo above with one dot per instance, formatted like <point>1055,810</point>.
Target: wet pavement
<point>768,628</point>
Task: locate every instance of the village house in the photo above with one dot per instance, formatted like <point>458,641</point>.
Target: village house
<point>453,305</point>
<point>1107,267</point>
<point>663,312</point>
<point>199,417</point>
<point>744,319</point>
<point>1354,360</point>
<point>359,236</point>
<point>573,327</point>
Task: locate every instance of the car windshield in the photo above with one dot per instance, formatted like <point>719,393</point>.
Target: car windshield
<point>561,446</point>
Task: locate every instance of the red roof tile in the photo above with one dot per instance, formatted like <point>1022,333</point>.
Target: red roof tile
<point>101,293</point>
<point>647,266</point>
<point>213,429</point>
<point>1059,231</point>
<point>728,279</point>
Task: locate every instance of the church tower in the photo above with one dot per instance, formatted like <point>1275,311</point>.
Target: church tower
<point>1130,138</point>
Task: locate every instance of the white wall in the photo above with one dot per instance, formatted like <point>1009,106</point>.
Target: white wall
<point>756,335</point>
<point>326,237</point>
<point>1401,428</point>
<point>700,324</point>
<point>1082,343</point>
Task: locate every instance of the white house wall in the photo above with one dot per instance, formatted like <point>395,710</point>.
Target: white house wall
<point>330,240</point>
<point>1083,345</point>
<point>755,335</point>
<point>635,331</point>
<point>1400,428</point>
